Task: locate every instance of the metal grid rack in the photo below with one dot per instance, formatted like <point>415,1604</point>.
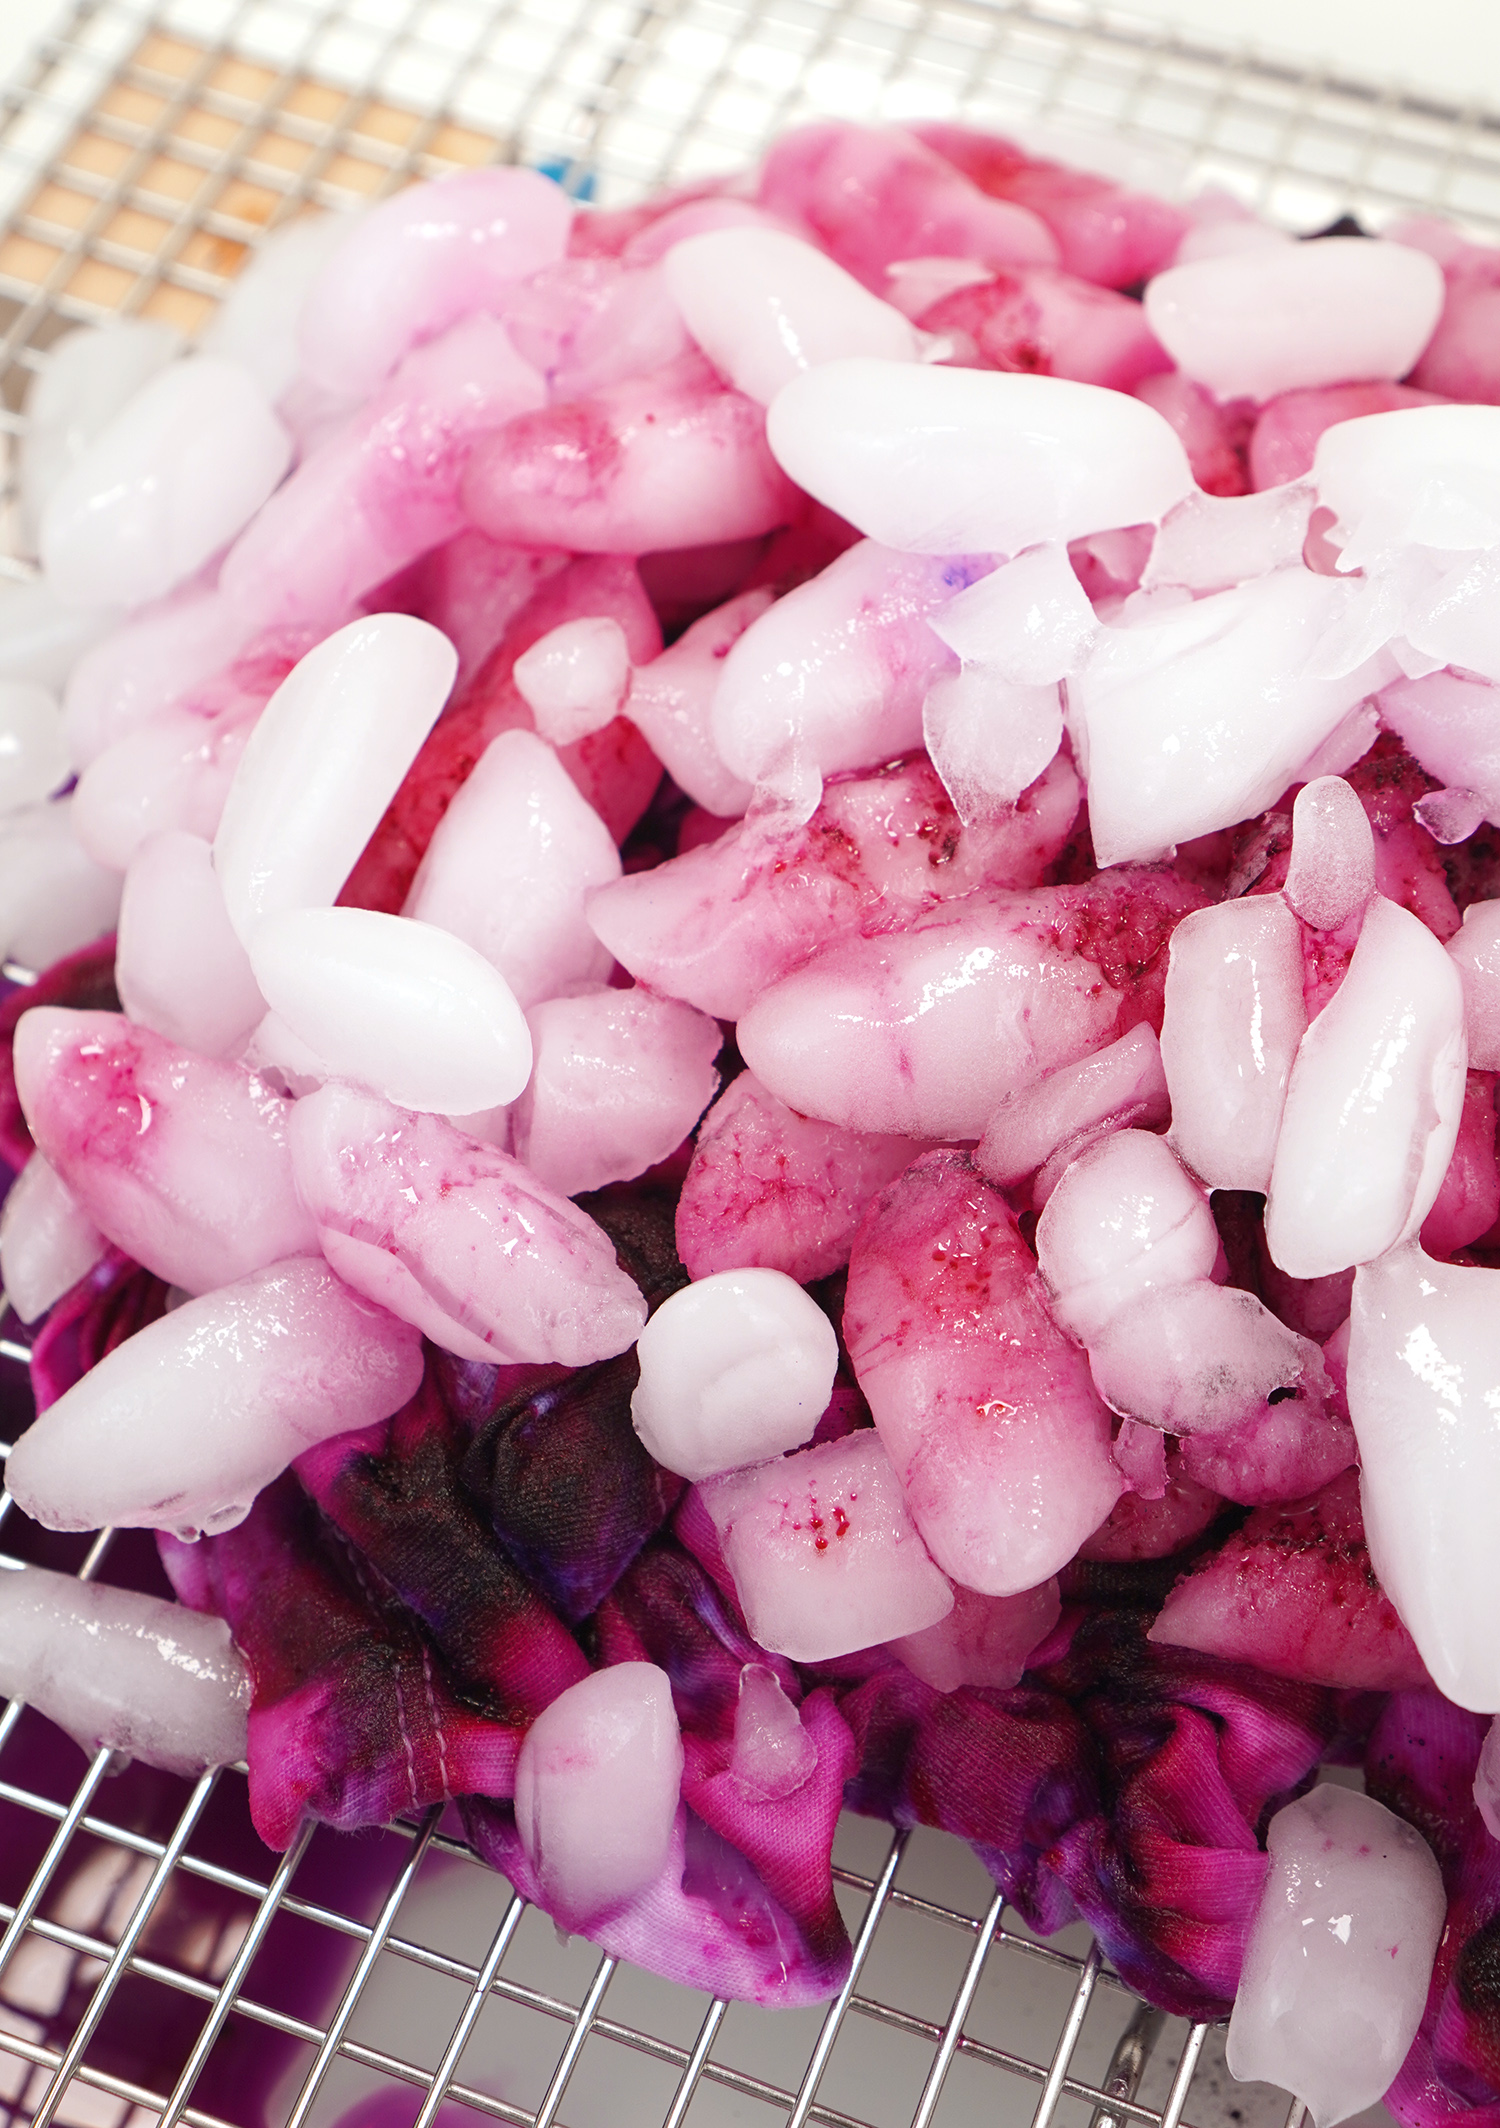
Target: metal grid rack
<point>145,151</point>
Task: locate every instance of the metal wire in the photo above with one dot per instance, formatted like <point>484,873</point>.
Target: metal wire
<point>150,144</point>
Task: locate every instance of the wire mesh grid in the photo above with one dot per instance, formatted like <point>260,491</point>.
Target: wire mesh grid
<point>157,1964</point>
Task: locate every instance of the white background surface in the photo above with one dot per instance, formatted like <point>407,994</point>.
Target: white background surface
<point>1450,46</point>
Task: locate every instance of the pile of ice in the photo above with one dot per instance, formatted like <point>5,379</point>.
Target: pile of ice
<point>342,689</point>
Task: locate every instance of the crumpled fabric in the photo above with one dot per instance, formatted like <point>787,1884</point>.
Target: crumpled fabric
<point>1121,1782</point>
<point>409,1597</point>
<point>354,1718</point>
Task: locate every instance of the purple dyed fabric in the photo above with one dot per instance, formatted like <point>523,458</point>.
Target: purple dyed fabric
<point>561,1474</point>
<point>1127,1783</point>
<point>1420,1763</point>
<point>745,1905</point>
<point>392,1493</point>
<point>354,1717</point>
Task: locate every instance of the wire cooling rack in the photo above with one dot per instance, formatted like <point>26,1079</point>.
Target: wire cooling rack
<point>158,1965</point>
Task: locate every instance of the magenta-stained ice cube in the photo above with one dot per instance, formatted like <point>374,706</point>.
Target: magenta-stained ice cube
<point>181,1160</point>
<point>994,1428</point>
<point>824,1555</point>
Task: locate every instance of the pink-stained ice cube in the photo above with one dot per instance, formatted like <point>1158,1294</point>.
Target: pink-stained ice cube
<point>384,488</point>
<point>767,1186</point>
<point>1293,1592</point>
<point>165,652</point>
<point>173,772</point>
<point>1125,1220</point>
<point>619,1078</point>
<point>179,968</point>
<point>924,1031</point>
<point>671,703</point>
<point>834,675</point>
<point>1468,1203</point>
<point>719,924</point>
<point>871,197</point>
<point>1105,231</point>
<point>181,1425</point>
<point>47,1240</point>
<point>180,1160</point>
<point>1120,1087</point>
<point>824,1555</point>
<point>511,866</point>
<point>1459,359</point>
<point>597,1789</point>
<point>419,262</point>
<point>575,679</point>
<point>984,1640</point>
<point>471,588</point>
<point>1046,324</point>
<point>614,769</point>
<point>1200,1358</point>
<point>1284,440</point>
<point>456,1237</point>
<point>1213,436</point>
<point>1476,951</point>
<point>986,1409</point>
<point>668,460</point>
<point>589,322</point>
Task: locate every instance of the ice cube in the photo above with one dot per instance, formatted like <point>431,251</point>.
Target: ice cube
<point>735,1368</point>
<point>966,461</point>
<point>1340,1952</point>
<point>1287,316</point>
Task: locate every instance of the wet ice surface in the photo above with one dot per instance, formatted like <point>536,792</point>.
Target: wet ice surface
<point>1355,1176</point>
<point>1340,1953</point>
<point>984,464</point>
<point>596,1789</point>
<point>823,1552</point>
<point>148,1678</point>
<point>180,1426</point>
